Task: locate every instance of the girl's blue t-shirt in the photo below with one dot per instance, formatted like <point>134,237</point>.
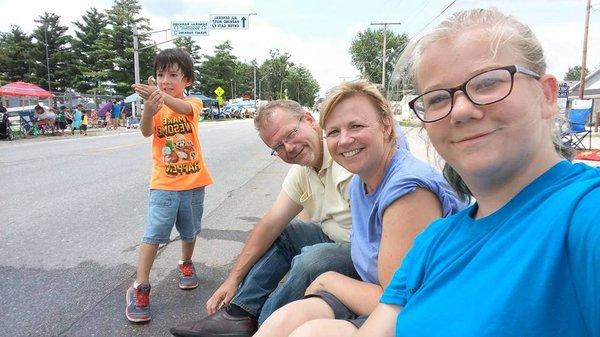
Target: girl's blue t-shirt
<point>532,268</point>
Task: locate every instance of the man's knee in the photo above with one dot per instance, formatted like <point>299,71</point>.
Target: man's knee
<point>317,259</point>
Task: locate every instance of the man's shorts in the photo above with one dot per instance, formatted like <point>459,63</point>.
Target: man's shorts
<point>180,208</point>
<point>340,311</point>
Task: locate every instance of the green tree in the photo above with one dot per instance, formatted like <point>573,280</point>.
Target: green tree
<point>118,41</point>
<point>218,70</point>
<point>273,72</point>
<point>91,55</point>
<point>574,73</point>
<point>15,59</point>
<point>60,57</point>
<point>186,43</point>
<point>301,85</point>
<point>366,52</point>
<point>244,78</point>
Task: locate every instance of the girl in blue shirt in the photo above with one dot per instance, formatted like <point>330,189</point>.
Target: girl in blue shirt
<point>524,260</point>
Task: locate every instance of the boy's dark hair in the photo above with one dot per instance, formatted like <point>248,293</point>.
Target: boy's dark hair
<point>63,107</point>
<point>168,57</point>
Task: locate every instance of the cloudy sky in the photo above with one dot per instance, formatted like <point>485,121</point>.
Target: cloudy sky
<point>318,34</point>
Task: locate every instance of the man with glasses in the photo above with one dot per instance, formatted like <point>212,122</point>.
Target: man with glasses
<point>280,242</point>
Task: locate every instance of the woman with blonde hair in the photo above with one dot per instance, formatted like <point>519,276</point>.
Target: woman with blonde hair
<point>393,196</point>
<point>524,260</point>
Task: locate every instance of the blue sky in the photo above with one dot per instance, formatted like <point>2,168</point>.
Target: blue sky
<point>318,34</point>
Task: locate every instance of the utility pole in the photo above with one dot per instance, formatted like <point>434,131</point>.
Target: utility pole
<point>47,59</point>
<point>384,24</point>
<point>584,56</point>
<point>136,55</point>
<point>255,102</point>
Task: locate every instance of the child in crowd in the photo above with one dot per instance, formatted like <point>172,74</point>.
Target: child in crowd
<point>108,119</point>
<point>179,174</point>
<point>93,118</point>
<point>116,114</point>
<point>61,119</point>
<point>84,123</point>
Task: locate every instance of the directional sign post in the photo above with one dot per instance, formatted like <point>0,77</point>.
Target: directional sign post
<point>189,28</point>
<point>229,21</point>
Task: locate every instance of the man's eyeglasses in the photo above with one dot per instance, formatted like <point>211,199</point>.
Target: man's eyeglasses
<point>276,150</point>
<point>488,87</point>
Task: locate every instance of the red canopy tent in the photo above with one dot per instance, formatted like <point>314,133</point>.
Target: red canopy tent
<point>24,89</point>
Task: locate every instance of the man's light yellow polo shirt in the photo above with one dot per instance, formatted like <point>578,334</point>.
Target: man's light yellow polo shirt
<point>324,195</point>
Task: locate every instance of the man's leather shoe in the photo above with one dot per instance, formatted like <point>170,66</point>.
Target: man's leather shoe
<point>219,324</point>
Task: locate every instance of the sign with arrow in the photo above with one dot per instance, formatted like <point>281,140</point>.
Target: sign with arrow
<point>219,91</point>
<point>229,21</point>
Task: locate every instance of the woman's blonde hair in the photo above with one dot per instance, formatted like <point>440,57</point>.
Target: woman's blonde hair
<point>362,88</point>
<point>504,31</point>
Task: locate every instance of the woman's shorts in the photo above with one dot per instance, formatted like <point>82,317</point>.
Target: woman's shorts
<point>340,311</point>
<point>180,208</point>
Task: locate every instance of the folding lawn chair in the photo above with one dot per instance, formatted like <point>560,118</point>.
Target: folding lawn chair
<point>578,127</point>
<point>28,126</point>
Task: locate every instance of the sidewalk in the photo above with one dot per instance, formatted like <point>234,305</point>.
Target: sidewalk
<point>67,135</point>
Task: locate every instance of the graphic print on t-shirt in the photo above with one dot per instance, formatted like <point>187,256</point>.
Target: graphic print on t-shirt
<point>179,154</point>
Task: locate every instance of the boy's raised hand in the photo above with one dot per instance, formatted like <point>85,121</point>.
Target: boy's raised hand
<point>154,102</point>
<point>145,90</point>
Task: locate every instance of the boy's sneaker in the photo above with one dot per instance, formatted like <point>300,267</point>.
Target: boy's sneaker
<point>187,275</point>
<point>138,303</point>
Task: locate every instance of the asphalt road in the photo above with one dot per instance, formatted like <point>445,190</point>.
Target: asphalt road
<point>73,210</point>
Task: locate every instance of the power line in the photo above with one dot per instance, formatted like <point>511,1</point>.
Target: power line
<point>415,14</point>
<point>436,17</point>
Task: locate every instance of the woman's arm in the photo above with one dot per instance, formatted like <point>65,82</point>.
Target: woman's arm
<point>360,297</point>
<point>403,220</point>
<point>381,323</point>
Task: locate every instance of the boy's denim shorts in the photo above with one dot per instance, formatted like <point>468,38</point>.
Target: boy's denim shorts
<point>180,208</point>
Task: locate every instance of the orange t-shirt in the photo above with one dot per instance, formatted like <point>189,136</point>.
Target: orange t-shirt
<point>177,160</point>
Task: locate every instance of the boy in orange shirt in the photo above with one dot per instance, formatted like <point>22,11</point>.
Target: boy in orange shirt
<point>179,173</point>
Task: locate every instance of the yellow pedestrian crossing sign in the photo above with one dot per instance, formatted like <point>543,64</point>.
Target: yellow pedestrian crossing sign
<point>219,91</point>
<point>220,100</point>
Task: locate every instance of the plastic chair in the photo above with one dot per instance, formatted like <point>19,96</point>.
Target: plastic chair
<point>577,130</point>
